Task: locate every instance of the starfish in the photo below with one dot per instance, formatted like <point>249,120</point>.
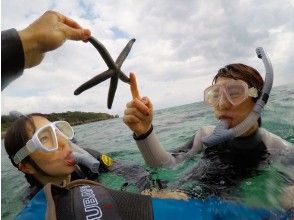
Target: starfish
<point>114,70</point>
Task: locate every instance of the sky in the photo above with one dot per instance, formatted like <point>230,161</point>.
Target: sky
<point>179,47</point>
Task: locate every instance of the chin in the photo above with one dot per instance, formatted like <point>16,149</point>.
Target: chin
<point>69,170</point>
<point>72,169</point>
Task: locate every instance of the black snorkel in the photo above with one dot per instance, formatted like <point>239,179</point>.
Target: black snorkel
<point>222,132</point>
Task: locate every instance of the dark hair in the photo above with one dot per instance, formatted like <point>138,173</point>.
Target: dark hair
<point>16,137</point>
<point>245,73</point>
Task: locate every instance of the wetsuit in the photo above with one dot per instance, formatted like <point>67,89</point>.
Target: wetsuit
<point>220,168</point>
<point>90,200</point>
<point>12,57</point>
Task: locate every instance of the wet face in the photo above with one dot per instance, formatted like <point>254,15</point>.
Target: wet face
<point>59,163</point>
<point>227,111</point>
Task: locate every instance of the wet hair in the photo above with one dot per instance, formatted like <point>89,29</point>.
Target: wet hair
<point>16,137</point>
<point>245,73</point>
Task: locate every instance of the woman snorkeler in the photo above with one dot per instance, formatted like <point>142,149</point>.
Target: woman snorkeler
<point>224,163</point>
<point>43,151</point>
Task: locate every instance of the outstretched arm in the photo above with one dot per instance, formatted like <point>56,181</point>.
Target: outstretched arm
<point>26,48</point>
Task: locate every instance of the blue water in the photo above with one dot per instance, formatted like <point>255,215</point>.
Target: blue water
<point>174,126</point>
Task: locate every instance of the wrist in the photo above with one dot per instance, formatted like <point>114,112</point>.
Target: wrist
<point>139,133</point>
<point>30,47</point>
<point>144,135</point>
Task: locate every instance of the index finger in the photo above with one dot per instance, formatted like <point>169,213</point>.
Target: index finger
<point>134,87</point>
<point>68,21</point>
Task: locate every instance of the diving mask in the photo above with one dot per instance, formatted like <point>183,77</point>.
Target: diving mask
<point>45,139</point>
<point>236,91</point>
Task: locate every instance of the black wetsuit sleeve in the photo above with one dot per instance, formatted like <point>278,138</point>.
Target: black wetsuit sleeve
<point>12,57</point>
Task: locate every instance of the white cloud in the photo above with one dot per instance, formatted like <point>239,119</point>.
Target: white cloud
<point>179,47</point>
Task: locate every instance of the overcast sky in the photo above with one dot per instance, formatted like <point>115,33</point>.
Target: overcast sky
<point>179,47</point>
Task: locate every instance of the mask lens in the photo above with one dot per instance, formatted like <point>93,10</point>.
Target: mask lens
<point>47,138</point>
<point>236,93</point>
<point>65,129</point>
<point>211,95</point>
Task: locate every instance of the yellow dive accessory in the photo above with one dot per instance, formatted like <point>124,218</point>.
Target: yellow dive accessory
<point>106,160</point>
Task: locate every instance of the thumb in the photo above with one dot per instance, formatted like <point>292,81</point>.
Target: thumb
<point>134,87</point>
<point>147,102</point>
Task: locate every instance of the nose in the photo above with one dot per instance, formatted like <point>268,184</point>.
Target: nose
<point>63,143</point>
<point>223,102</point>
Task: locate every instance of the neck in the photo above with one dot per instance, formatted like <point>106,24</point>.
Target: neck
<point>251,130</point>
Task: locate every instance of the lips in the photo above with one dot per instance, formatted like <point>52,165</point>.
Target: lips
<point>225,117</point>
<point>69,159</point>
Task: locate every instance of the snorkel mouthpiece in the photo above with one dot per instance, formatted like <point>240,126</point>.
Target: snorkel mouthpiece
<point>88,161</point>
<point>222,132</point>
<point>84,158</point>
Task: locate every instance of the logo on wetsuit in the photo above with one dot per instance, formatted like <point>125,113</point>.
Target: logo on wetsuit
<point>90,203</point>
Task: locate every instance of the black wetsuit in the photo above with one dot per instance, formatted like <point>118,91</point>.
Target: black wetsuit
<point>221,168</point>
<point>12,57</point>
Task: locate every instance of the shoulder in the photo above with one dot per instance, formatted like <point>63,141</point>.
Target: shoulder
<point>204,131</point>
<point>273,142</point>
<point>197,142</point>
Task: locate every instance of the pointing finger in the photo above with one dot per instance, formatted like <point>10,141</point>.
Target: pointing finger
<point>134,87</point>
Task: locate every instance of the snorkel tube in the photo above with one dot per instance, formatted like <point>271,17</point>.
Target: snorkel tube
<point>84,158</point>
<point>222,132</point>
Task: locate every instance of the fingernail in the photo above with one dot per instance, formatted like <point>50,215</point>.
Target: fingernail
<point>144,100</point>
<point>86,33</point>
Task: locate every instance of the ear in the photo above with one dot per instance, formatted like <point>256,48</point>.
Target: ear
<point>26,168</point>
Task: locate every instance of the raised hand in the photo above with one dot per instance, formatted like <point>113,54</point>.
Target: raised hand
<point>139,112</point>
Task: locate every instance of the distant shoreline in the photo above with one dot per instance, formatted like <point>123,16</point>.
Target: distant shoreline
<point>73,118</point>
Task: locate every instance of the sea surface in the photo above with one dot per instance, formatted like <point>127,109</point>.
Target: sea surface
<point>174,126</point>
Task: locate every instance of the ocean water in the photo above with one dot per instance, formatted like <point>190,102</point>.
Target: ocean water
<point>174,126</point>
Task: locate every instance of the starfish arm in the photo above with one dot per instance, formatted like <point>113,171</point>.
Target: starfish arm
<point>112,90</point>
<point>123,77</point>
<point>125,52</point>
<point>103,52</point>
<point>94,81</point>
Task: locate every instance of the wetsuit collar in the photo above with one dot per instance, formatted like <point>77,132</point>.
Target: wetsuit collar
<point>246,143</point>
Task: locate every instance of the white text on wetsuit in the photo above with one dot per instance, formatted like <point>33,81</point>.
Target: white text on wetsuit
<point>91,207</point>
